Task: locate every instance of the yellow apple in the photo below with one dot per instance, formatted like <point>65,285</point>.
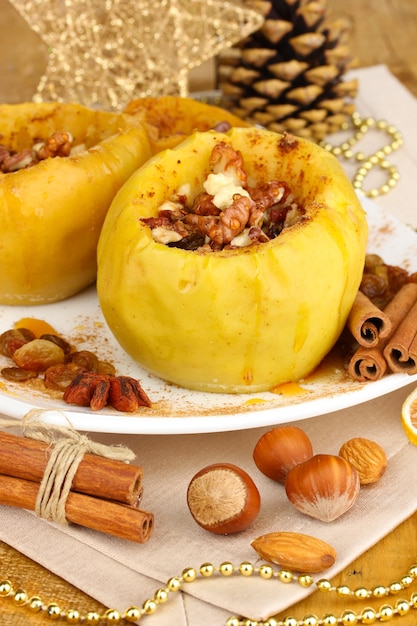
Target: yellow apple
<point>171,119</point>
<point>242,319</point>
<point>51,213</point>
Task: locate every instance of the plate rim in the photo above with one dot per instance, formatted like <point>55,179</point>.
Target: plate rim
<point>222,421</point>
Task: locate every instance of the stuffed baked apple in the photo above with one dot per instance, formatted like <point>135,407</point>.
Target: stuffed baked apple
<point>60,167</point>
<point>171,119</point>
<point>230,263</point>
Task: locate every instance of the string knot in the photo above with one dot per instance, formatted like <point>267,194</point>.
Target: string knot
<point>68,448</point>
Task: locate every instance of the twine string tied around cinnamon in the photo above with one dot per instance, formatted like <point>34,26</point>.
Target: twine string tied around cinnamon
<point>68,448</point>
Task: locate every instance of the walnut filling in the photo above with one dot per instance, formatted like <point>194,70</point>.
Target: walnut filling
<point>59,144</point>
<point>228,212</point>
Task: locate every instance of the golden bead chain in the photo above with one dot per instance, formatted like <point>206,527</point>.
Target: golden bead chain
<point>133,614</point>
<point>361,126</point>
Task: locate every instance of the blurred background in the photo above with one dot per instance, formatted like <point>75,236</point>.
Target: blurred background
<point>383,31</point>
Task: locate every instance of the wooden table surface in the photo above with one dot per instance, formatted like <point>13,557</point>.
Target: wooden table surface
<point>383,31</point>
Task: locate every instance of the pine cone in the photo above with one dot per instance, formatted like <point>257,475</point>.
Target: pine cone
<point>288,76</point>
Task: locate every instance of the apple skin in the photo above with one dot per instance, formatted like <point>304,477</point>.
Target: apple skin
<point>238,320</point>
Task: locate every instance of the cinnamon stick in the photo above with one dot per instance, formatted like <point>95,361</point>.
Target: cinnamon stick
<point>96,476</point>
<point>107,517</point>
<point>401,350</point>
<point>369,364</point>
<point>367,323</point>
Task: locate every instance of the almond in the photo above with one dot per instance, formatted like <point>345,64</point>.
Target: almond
<point>295,551</point>
<point>367,457</point>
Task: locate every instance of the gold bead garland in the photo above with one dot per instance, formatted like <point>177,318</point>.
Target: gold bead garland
<point>368,615</point>
<point>360,126</point>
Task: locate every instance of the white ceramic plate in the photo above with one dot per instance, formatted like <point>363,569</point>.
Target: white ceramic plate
<point>177,410</point>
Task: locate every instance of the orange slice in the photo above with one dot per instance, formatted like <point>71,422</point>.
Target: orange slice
<point>409,416</point>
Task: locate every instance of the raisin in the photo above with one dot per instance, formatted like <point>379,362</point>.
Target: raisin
<point>60,376</point>
<point>27,333</point>
<point>18,374</point>
<point>85,359</point>
<point>106,369</point>
<point>38,355</point>
<point>11,340</point>
<point>58,341</point>
<point>373,286</point>
<point>189,242</point>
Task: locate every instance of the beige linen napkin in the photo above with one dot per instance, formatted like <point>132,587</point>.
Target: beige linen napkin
<point>120,573</point>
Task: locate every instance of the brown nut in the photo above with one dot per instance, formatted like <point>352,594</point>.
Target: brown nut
<point>367,457</point>
<point>324,487</point>
<point>295,551</point>
<point>223,499</point>
<point>279,449</point>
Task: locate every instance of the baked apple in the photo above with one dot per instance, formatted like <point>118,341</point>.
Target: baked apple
<point>257,309</point>
<point>53,207</point>
<point>171,119</point>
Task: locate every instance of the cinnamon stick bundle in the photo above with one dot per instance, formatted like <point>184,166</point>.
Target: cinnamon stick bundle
<point>370,364</point>
<point>95,476</point>
<point>107,517</point>
<point>366,322</point>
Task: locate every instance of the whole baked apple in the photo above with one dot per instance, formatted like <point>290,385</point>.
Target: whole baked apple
<point>52,210</point>
<point>171,119</point>
<point>250,314</point>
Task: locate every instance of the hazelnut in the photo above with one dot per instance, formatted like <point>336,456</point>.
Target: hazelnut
<point>280,449</point>
<point>367,457</point>
<point>223,498</point>
<point>323,487</point>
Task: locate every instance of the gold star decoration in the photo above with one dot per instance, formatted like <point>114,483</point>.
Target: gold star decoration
<point>104,53</point>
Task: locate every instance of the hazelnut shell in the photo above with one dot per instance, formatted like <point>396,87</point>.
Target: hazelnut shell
<point>280,449</point>
<point>223,498</point>
<point>324,487</point>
